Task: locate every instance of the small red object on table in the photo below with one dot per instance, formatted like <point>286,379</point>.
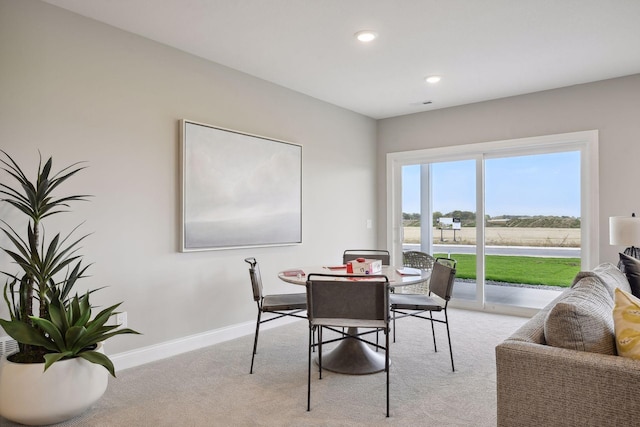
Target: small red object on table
<point>293,273</point>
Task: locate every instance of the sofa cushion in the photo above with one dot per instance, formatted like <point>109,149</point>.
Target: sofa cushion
<point>626,317</point>
<point>533,330</point>
<point>581,319</point>
<point>631,268</point>
<point>608,274</point>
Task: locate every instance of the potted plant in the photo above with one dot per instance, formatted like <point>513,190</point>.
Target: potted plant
<point>58,336</point>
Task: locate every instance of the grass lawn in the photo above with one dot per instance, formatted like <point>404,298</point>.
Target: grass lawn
<point>520,269</point>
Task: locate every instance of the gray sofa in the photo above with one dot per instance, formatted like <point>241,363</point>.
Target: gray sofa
<point>561,368</point>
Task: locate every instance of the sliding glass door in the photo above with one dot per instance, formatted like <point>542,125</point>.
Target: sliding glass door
<point>517,217</point>
<point>532,227</point>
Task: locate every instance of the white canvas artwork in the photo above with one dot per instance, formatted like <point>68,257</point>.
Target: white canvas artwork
<point>239,190</point>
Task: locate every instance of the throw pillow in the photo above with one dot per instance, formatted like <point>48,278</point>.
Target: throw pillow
<point>626,317</point>
<point>631,268</point>
<point>608,274</point>
<point>581,320</point>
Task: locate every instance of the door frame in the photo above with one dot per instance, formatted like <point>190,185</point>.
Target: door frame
<point>584,141</point>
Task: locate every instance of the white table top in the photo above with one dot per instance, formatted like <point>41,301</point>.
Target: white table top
<point>392,272</point>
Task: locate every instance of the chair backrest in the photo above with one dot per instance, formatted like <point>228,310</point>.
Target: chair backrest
<point>415,259</point>
<point>449,262</point>
<point>441,282</point>
<point>348,297</point>
<point>381,254</point>
<point>256,279</point>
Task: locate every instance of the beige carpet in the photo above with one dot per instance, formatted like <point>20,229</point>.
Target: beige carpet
<point>212,386</point>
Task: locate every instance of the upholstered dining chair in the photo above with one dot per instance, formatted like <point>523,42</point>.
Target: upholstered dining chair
<point>347,302</point>
<point>449,262</point>
<point>381,254</point>
<point>440,285</point>
<point>280,305</point>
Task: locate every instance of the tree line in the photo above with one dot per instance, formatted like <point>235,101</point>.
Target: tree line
<point>468,219</point>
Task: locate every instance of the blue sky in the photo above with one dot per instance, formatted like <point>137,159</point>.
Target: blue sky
<point>546,184</point>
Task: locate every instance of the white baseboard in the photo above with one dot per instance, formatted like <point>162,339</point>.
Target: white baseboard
<point>141,356</point>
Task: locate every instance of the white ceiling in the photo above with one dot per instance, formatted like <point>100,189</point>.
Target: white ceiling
<point>483,49</point>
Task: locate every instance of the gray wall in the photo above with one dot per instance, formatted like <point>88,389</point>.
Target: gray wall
<point>612,107</point>
<point>81,90</point>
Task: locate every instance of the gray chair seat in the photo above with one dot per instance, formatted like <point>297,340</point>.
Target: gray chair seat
<point>350,323</point>
<point>414,302</point>
<point>284,302</point>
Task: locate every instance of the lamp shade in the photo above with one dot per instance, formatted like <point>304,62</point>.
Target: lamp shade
<point>624,230</point>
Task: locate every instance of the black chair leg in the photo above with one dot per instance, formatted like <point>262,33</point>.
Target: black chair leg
<point>433,332</point>
<point>394,325</point>
<point>386,365</point>
<point>309,370</point>
<point>446,319</point>
<point>255,342</point>
<point>320,352</point>
<point>313,342</point>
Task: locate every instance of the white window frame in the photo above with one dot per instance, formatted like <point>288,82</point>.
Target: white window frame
<point>584,141</point>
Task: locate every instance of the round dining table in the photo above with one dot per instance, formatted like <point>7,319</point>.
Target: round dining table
<point>352,356</point>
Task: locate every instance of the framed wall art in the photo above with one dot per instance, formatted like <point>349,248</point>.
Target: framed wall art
<point>238,190</point>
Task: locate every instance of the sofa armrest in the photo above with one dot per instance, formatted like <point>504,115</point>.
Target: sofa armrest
<point>540,385</point>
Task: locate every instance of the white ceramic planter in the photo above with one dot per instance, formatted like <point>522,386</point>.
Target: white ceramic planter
<point>33,397</point>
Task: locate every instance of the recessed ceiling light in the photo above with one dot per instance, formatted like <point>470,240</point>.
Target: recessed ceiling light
<point>433,79</point>
<point>366,36</point>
